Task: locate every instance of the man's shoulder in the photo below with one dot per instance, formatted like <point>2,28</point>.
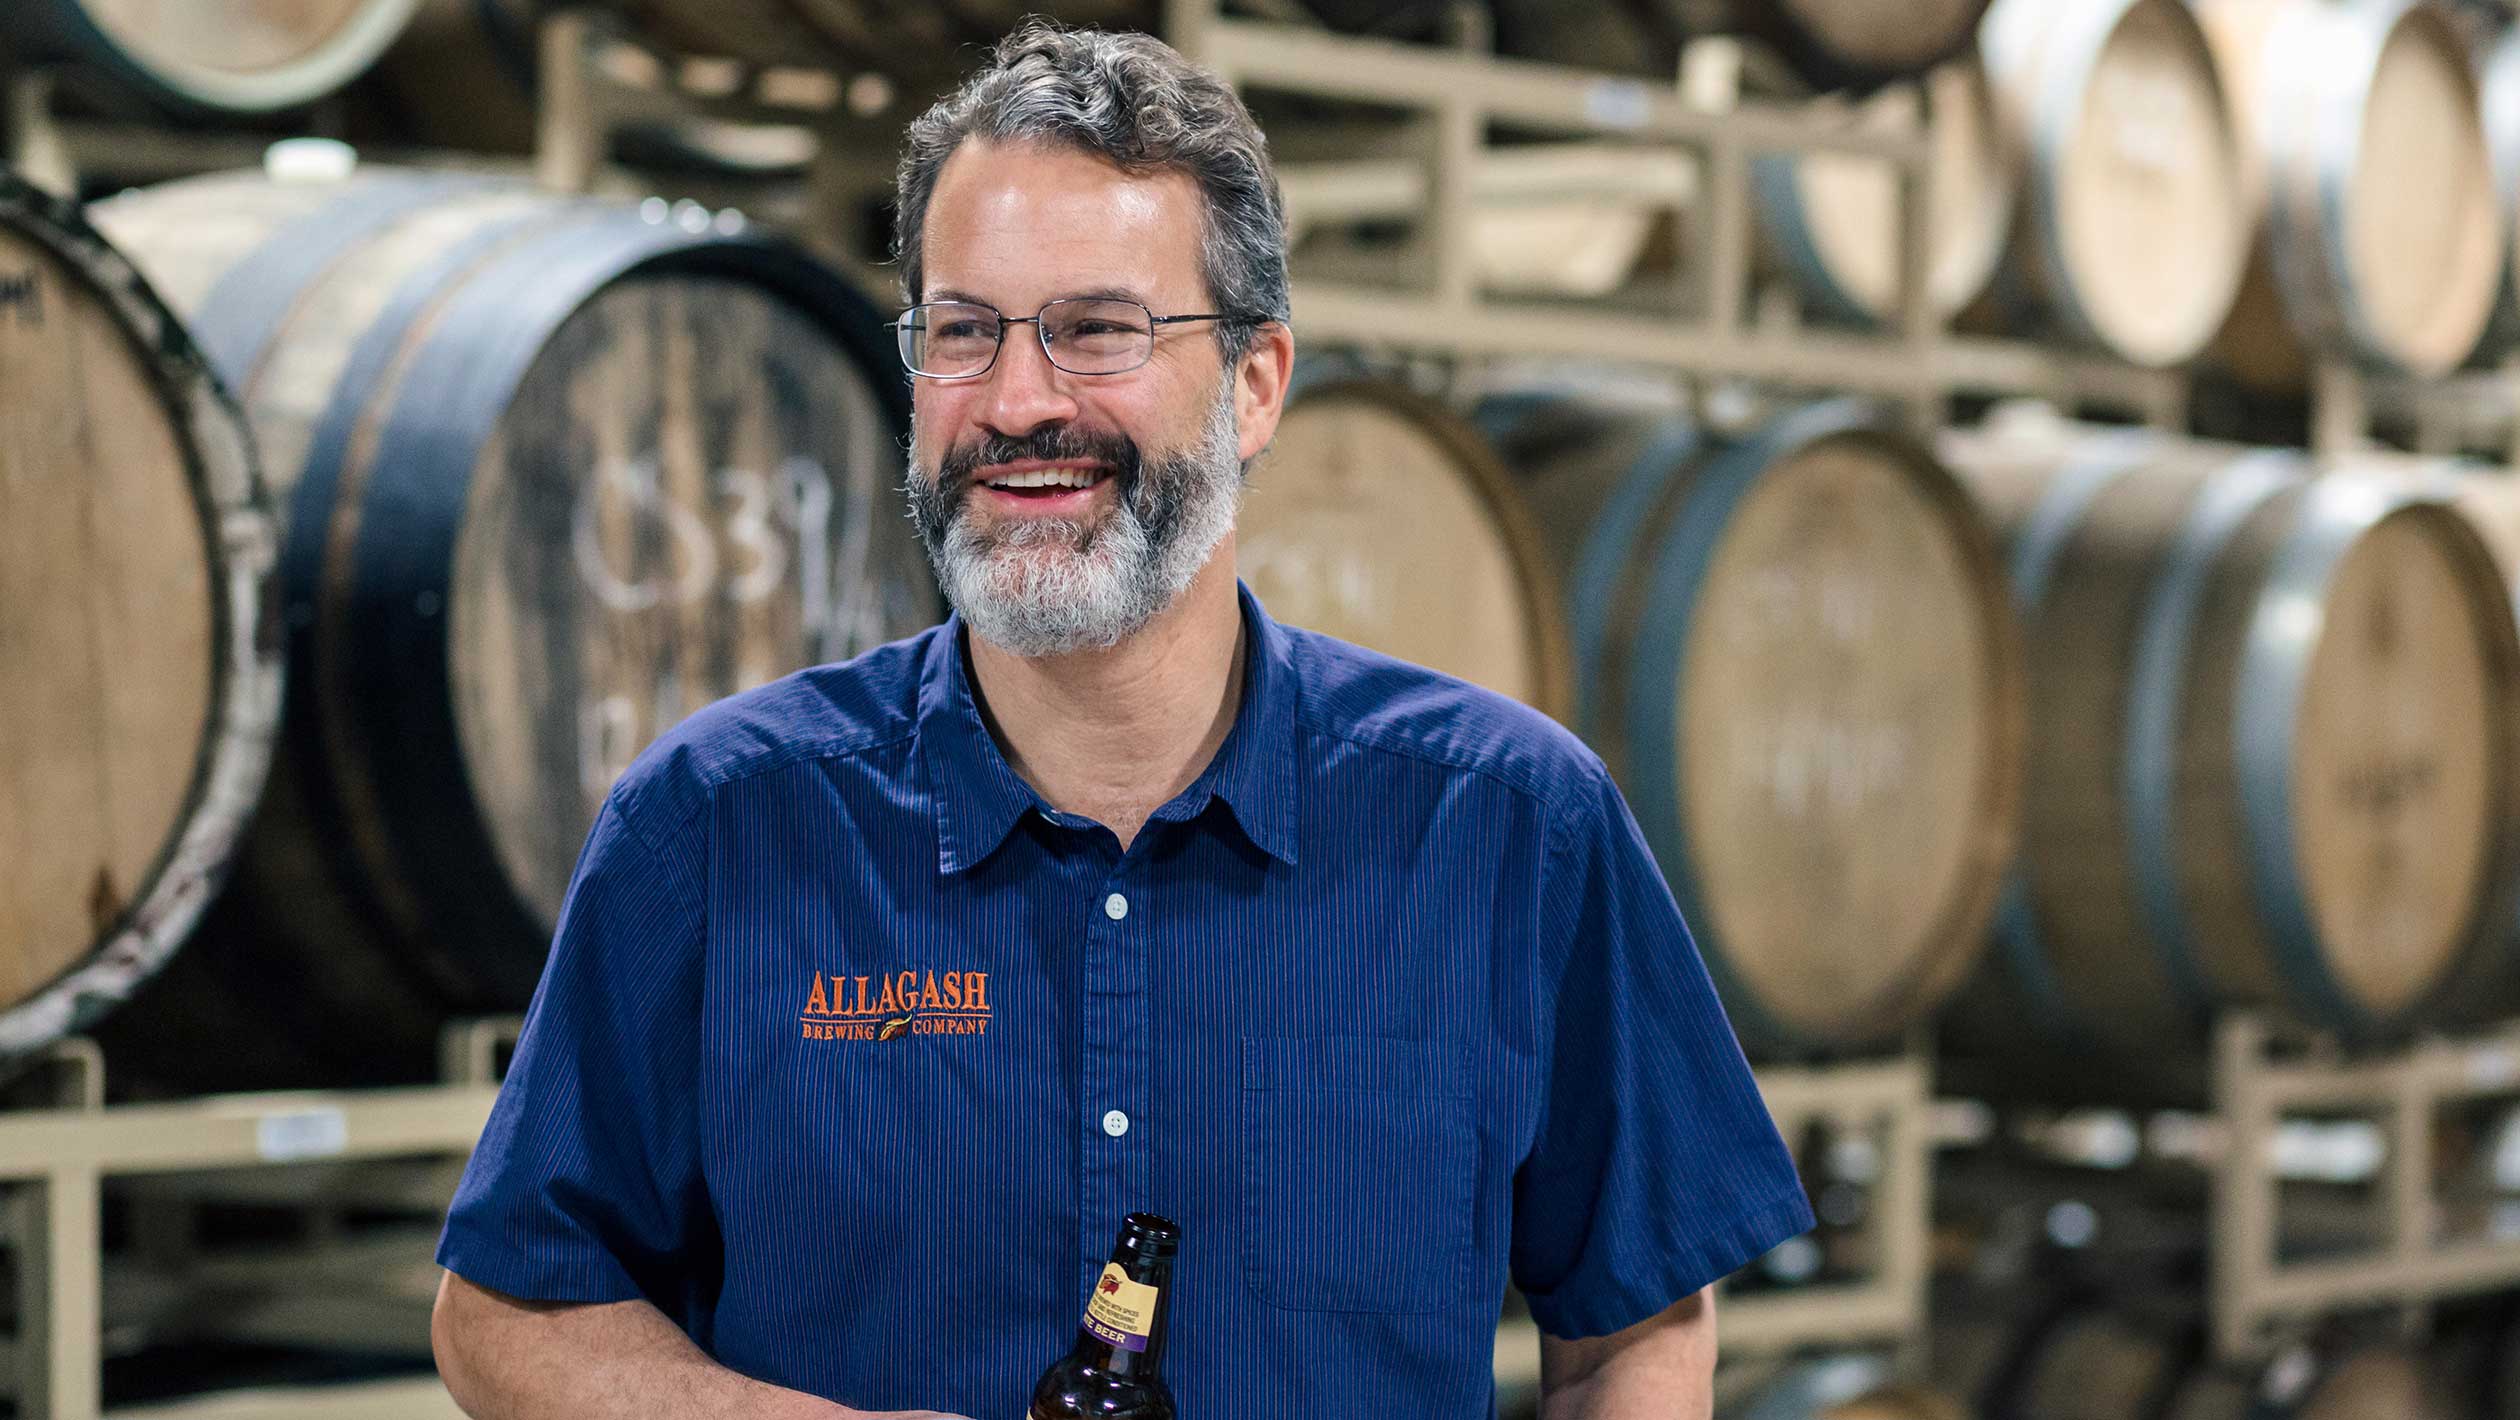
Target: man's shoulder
<point>819,713</point>
<point>1385,705</point>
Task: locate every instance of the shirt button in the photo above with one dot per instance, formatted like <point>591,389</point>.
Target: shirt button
<point>1115,907</point>
<point>1115,1124</point>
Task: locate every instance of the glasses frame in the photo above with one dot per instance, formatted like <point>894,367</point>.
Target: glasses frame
<point>901,324</point>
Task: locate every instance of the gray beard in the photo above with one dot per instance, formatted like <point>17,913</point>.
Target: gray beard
<point>1050,586</point>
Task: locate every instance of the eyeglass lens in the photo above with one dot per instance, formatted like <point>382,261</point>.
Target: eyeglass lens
<point>945,339</point>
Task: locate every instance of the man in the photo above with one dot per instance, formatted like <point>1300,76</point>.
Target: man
<point>885,991</point>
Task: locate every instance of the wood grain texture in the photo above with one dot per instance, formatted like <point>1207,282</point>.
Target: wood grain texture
<point>1845,212</point>
<point>2381,241</point>
<point>693,496</point>
<point>1834,700</point>
<point>2387,796</point>
<point>1379,518</point>
<point>2134,228</point>
<point>139,674</point>
<point>105,585</point>
<point>208,55</point>
<point>557,476</point>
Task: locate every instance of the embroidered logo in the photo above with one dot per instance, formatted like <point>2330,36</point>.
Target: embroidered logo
<point>879,1008</point>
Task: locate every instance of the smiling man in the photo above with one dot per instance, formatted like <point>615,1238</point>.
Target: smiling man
<point>884,992</point>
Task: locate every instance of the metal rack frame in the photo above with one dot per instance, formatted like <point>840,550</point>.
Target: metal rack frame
<point>1890,1304</point>
<point>53,1163</point>
<point>1457,94</point>
<point>2255,1294</point>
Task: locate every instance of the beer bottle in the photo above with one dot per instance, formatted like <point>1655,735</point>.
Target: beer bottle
<point>1114,1370</point>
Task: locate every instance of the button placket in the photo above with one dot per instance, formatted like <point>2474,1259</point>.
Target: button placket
<point>1113,1075</point>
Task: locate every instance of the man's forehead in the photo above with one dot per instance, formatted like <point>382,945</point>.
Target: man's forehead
<point>1030,222</point>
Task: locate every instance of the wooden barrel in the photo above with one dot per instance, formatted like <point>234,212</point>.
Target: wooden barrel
<point>1366,489</point>
<point>556,473</point>
<point>1833,220</point>
<point>1828,44</point>
<point>2485,988</point>
<point>2132,236</point>
<point>2271,751</point>
<point>242,56</point>
<point>2498,85</point>
<point>1793,649</point>
<point>139,650</point>
<point>2381,239</point>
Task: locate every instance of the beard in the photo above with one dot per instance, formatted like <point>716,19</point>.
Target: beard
<point>1048,586</point>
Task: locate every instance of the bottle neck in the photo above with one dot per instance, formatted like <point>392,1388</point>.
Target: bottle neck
<point>1123,1328</point>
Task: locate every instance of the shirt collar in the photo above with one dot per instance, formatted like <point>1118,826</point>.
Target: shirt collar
<point>979,798</point>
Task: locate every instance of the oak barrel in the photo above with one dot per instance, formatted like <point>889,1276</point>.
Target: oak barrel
<point>243,56</point>
<point>556,472</point>
<point>2381,237</point>
<point>1383,518</point>
<point>139,649</point>
<point>2498,86</point>
<point>1833,220</point>
<point>2271,751</point>
<point>2132,234</point>
<point>1793,649</point>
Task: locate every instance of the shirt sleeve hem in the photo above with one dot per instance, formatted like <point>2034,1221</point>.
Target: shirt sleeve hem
<point>1616,1303</point>
<point>592,1280</point>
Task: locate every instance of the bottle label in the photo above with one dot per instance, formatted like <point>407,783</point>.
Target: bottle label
<point>1122,1312</point>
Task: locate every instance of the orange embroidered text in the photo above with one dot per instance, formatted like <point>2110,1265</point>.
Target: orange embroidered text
<point>908,1003</point>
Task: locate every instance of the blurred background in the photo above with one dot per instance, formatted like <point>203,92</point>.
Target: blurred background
<point>2020,493</point>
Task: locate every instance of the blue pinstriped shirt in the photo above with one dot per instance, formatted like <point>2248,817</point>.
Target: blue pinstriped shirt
<point>851,1053</point>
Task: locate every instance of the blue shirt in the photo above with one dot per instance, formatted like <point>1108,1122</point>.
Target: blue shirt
<point>851,1053</point>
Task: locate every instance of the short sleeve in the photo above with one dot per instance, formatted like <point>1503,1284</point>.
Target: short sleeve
<point>1656,1168</point>
<point>586,1185</point>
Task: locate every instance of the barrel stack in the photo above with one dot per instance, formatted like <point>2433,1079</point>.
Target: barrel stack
<point>554,473</point>
<point>2271,757</point>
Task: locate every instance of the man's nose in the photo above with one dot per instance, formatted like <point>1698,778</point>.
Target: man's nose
<point>1024,390</point>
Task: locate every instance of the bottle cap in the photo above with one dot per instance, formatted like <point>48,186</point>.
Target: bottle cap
<point>1151,1233</point>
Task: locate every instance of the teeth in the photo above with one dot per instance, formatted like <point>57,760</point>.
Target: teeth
<point>1049,478</point>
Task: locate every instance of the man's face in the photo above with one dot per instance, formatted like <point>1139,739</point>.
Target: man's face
<point>1042,570</point>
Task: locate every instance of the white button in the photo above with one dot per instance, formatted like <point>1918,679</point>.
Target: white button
<point>1115,1124</point>
<point>1115,907</point>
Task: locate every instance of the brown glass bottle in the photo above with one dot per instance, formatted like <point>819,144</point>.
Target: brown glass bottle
<point>1114,1370</point>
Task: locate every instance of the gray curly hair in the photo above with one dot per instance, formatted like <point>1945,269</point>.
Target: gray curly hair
<point>1131,99</point>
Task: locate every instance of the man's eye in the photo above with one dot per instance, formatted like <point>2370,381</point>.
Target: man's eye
<point>962,330</point>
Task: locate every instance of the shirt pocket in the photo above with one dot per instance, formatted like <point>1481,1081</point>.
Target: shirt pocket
<point>1360,1173</point>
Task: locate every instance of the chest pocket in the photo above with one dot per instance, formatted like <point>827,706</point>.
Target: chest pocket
<point>1360,1173</point>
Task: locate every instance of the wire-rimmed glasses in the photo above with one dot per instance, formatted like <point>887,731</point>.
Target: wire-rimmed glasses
<point>1083,335</point>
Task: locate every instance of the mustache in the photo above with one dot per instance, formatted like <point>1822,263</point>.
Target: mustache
<point>960,467</point>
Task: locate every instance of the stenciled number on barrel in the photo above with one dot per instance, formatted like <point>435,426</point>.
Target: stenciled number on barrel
<point>838,606</point>
<point>22,296</point>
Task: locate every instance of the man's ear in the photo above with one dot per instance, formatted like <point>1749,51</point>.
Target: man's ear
<point>1260,385</point>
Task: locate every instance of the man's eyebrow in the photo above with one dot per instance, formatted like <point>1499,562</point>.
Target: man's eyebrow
<point>1094,293</point>
<point>1112,293</point>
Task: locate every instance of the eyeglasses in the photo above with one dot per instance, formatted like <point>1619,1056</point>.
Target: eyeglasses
<point>960,340</point>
